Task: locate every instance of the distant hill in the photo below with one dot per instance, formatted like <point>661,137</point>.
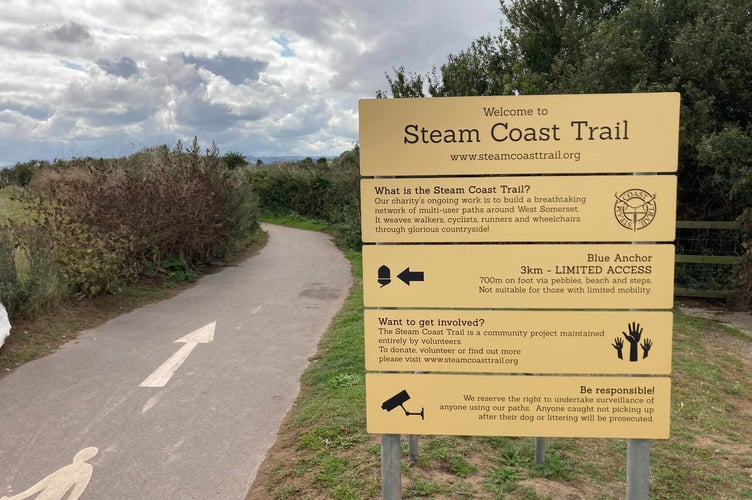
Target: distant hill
<point>273,159</point>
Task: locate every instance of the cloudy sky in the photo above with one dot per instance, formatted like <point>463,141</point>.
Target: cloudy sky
<point>107,78</point>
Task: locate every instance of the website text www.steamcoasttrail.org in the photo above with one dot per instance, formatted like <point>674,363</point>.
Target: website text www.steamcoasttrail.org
<point>536,155</point>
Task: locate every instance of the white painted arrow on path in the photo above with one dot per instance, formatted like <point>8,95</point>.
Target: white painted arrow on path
<point>164,373</point>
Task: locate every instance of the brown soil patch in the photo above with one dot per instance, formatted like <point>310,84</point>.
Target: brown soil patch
<point>546,488</point>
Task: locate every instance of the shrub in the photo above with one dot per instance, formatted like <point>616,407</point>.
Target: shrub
<point>20,174</point>
<point>320,191</point>
<point>88,262</point>
<point>744,268</point>
<point>113,219</point>
<point>87,226</point>
<point>29,277</point>
<point>234,160</point>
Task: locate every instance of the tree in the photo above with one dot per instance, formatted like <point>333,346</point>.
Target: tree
<point>403,84</point>
<point>21,173</point>
<point>479,70</point>
<point>703,50</point>
<point>234,160</point>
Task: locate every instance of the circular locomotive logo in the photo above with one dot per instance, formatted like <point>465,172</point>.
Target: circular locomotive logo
<point>635,209</point>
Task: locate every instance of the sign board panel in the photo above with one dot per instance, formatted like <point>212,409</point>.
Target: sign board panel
<point>518,405</point>
<point>595,133</point>
<point>548,276</point>
<point>539,208</point>
<point>483,341</point>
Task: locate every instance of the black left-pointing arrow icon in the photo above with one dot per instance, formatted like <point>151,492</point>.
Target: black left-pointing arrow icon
<point>407,276</point>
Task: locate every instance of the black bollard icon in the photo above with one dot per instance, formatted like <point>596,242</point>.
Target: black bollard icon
<point>385,276</point>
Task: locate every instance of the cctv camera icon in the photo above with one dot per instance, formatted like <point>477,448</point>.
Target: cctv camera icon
<point>399,399</point>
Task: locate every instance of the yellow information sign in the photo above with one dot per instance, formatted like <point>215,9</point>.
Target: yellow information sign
<point>519,276</point>
<point>587,133</point>
<point>473,299</point>
<point>518,405</point>
<point>483,341</point>
<point>539,208</point>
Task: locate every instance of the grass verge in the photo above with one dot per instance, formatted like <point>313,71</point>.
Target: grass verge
<point>296,221</point>
<point>323,451</point>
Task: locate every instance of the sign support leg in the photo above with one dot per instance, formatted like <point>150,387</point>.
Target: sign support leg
<point>638,469</point>
<point>540,450</point>
<point>391,469</point>
<point>412,448</point>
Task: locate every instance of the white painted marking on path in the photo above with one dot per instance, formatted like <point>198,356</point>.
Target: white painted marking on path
<point>149,404</point>
<point>67,482</point>
<point>164,373</point>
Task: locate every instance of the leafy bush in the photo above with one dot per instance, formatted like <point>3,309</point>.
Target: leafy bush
<point>29,277</point>
<point>88,226</point>
<point>320,191</point>
<point>20,174</point>
<point>744,268</point>
<point>157,204</point>
<point>728,155</point>
<point>87,262</point>
<point>234,160</point>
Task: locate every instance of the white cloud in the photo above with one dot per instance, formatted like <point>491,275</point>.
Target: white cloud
<point>70,32</point>
<point>272,77</point>
<point>125,66</point>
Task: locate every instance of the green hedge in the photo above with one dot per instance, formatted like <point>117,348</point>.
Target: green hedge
<point>93,225</point>
<point>325,191</point>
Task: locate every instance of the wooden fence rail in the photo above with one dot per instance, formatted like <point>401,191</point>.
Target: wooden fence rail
<point>710,260</point>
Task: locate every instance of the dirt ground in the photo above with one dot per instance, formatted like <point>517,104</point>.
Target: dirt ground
<point>741,320</point>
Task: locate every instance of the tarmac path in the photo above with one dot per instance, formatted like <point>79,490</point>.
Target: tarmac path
<point>126,412</point>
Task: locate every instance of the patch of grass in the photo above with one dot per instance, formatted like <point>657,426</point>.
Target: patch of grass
<point>513,456</point>
<point>556,467</point>
<point>528,493</point>
<point>330,470</point>
<point>423,488</point>
<point>460,467</point>
<point>503,475</point>
<point>296,221</point>
<point>287,491</point>
<point>707,427</point>
<point>436,449</point>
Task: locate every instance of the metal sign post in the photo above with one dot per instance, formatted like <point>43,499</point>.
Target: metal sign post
<point>638,469</point>
<point>391,469</point>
